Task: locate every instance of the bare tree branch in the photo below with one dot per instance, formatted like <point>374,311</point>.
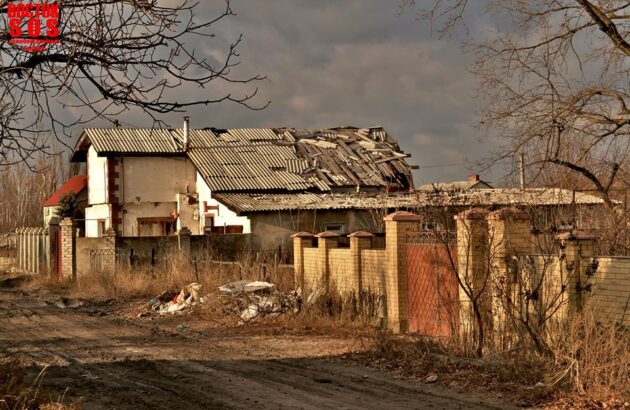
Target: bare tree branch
<point>114,56</point>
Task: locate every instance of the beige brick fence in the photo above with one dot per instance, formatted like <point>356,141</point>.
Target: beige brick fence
<point>495,261</point>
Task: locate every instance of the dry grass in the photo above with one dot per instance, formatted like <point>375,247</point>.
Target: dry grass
<point>17,394</point>
<point>145,281</point>
<point>590,363</point>
<point>593,358</point>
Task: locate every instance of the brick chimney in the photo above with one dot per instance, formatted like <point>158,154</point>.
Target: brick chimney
<point>473,178</point>
<point>186,132</point>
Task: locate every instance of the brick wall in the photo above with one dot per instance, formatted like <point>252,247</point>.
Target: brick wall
<point>341,278</point>
<point>373,270</point>
<point>496,260</point>
<point>609,297</point>
<point>312,275</point>
<point>361,269</point>
<point>356,271</point>
<point>498,250</point>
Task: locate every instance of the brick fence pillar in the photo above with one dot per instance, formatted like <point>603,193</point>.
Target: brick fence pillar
<point>396,227</point>
<point>510,236</point>
<point>109,258</point>
<point>579,249</point>
<point>325,242</point>
<point>358,242</point>
<point>301,240</point>
<point>68,249</point>
<point>473,271</point>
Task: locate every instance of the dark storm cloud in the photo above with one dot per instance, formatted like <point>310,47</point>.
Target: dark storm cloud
<point>357,62</point>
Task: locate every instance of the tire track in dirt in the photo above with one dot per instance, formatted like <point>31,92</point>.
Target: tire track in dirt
<point>107,364</point>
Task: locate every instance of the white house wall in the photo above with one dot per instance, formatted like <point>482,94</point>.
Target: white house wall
<point>150,186</point>
<point>93,214</point>
<point>133,211</point>
<point>49,212</point>
<point>153,187</point>
<point>223,216</point>
<point>97,174</point>
<point>156,179</point>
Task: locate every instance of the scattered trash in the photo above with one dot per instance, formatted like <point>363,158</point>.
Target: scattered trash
<point>253,299</point>
<point>183,326</point>
<point>314,296</point>
<point>172,302</point>
<point>245,286</point>
<point>65,303</point>
<point>432,378</point>
<point>539,384</point>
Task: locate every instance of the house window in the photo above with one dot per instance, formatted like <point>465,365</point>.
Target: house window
<point>337,228</point>
<point>208,223</point>
<point>156,226</point>
<point>100,227</point>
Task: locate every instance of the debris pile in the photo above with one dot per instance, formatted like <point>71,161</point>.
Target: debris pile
<point>252,300</point>
<point>172,301</point>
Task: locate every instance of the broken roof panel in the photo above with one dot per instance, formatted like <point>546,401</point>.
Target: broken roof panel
<point>289,159</point>
<point>245,203</point>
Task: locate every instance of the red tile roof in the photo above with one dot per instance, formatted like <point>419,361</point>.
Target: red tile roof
<point>74,185</point>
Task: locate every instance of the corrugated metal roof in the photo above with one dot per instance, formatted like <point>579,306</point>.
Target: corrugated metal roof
<point>244,203</point>
<point>254,134</point>
<point>134,140</point>
<point>258,159</point>
<point>455,186</point>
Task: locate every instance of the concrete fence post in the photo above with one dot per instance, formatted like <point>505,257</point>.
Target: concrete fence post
<point>301,240</point>
<point>473,271</point>
<point>184,240</point>
<point>68,249</point>
<point>579,249</point>
<point>396,227</point>
<point>358,242</point>
<point>325,242</point>
<point>29,250</point>
<point>19,247</point>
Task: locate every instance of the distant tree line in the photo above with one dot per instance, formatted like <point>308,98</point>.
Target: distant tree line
<point>22,191</point>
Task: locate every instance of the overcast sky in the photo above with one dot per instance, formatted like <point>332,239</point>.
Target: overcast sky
<point>352,62</point>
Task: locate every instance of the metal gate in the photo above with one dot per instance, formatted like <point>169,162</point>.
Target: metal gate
<point>57,253</point>
<point>432,288</point>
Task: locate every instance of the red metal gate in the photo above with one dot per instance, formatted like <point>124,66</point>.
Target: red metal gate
<point>432,285</point>
<point>57,253</point>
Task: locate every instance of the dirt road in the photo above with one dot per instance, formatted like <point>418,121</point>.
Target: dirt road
<point>106,364</point>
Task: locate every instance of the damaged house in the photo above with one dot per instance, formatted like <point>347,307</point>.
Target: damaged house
<point>268,182</point>
<point>154,182</point>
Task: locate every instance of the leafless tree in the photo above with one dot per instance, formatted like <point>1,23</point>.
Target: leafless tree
<point>556,78</point>
<point>113,56</point>
<point>22,192</point>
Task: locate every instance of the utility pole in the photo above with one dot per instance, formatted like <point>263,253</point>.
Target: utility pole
<point>522,169</point>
